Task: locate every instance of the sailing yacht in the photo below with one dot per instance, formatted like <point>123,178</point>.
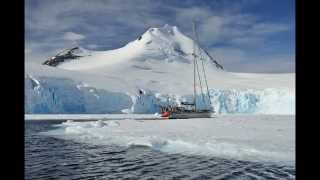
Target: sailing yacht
<point>190,109</point>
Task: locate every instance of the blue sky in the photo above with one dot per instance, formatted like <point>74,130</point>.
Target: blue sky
<point>243,35</point>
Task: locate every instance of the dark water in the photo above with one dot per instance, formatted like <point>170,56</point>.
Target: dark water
<point>51,158</point>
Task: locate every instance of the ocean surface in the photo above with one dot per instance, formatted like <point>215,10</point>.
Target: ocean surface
<point>48,157</point>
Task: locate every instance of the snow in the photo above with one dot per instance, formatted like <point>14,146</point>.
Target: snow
<point>86,117</point>
<point>160,63</point>
<point>266,138</point>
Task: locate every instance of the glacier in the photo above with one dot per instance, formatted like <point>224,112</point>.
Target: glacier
<point>47,95</point>
<point>55,95</point>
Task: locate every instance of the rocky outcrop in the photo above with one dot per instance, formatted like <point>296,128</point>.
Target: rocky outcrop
<point>66,54</point>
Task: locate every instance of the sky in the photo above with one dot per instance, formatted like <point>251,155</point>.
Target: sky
<point>242,35</point>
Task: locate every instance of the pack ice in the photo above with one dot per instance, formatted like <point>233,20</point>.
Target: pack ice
<point>154,69</point>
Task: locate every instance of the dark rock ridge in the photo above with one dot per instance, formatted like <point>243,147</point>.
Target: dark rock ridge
<point>66,54</point>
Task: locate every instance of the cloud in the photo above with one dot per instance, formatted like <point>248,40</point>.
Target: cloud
<point>228,56</point>
<point>212,30</point>
<point>268,28</point>
<point>114,18</point>
<point>238,30</point>
<point>71,36</point>
<point>247,41</point>
<point>284,64</point>
<point>92,46</point>
<point>238,60</point>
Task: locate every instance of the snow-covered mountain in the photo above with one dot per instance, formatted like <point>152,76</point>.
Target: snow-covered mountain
<point>156,44</point>
<point>160,63</point>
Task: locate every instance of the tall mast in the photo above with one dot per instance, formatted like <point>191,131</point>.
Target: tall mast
<point>194,68</point>
<point>203,69</point>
